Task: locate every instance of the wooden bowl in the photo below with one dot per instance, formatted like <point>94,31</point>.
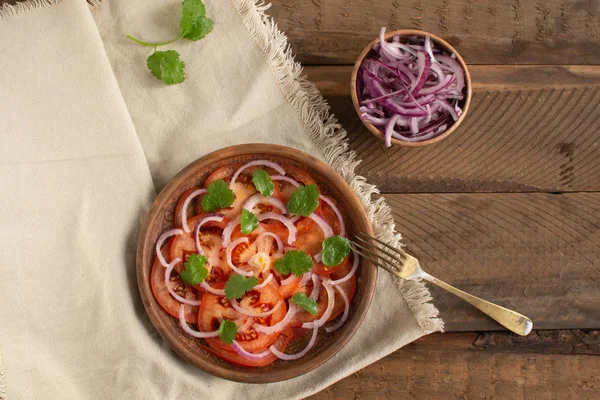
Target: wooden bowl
<point>439,43</point>
<point>160,218</point>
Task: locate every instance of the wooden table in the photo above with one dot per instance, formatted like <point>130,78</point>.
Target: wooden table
<point>506,208</point>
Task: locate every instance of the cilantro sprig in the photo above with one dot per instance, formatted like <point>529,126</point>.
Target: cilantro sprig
<point>194,25</point>
<point>248,222</point>
<point>335,249</point>
<point>304,200</point>
<point>238,285</point>
<point>296,262</point>
<point>263,183</point>
<point>227,331</point>
<point>218,196</point>
<point>194,272</point>
<point>307,303</point>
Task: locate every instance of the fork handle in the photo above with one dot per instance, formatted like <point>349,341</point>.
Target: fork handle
<point>511,320</point>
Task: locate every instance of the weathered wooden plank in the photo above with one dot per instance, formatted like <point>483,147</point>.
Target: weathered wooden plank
<point>472,366</point>
<point>483,31</point>
<point>530,128</point>
<point>536,253</point>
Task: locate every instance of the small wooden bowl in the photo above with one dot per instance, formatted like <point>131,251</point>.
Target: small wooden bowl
<point>160,218</point>
<point>439,43</point>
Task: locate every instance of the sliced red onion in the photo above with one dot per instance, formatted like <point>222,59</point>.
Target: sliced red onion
<point>265,282</point>
<point>281,325</point>
<point>186,203</point>
<point>330,302</point>
<point>284,220</point>
<point>322,224</point>
<point>424,63</point>
<point>247,355</point>
<point>350,274</point>
<point>208,218</point>
<point>161,240</point>
<point>248,313</point>
<point>296,356</point>
<point>226,237</point>
<point>346,311</point>
<point>258,198</point>
<point>265,163</point>
<point>316,290</point>
<point>274,236</point>
<point>456,68</point>
<point>285,178</point>
<point>228,251</point>
<point>337,212</point>
<point>288,280</point>
<point>389,130</point>
<point>246,326</point>
<point>305,279</point>
<point>429,49</point>
<point>187,329</point>
<point>177,297</point>
<point>210,289</point>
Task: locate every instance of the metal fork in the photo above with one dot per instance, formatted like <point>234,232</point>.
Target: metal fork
<point>408,267</point>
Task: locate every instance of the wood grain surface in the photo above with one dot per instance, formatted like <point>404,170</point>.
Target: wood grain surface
<point>483,31</point>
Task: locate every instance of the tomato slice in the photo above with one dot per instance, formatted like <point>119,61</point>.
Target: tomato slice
<point>162,295</point>
<point>281,343</point>
<point>210,240</point>
<point>195,219</point>
<point>179,208</point>
<point>215,307</point>
<point>310,236</point>
<point>224,173</point>
<point>329,216</point>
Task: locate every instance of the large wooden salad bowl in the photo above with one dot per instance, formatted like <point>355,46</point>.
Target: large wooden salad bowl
<point>160,218</point>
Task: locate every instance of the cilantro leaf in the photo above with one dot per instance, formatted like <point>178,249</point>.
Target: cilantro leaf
<point>263,183</point>
<point>200,29</point>
<point>307,303</point>
<point>304,200</point>
<point>335,249</point>
<point>227,331</point>
<point>194,271</point>
<point>166,66</point>
<point>191,12</point>
<point>237,285</point>
<point>219,196</point>
<point>296,262</point>
<point>249,222</point>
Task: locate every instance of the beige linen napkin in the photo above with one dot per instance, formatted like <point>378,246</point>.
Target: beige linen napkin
<point>74,184</point>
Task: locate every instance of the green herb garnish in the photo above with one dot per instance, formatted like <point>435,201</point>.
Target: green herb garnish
<point>296,262</point>
<point>248,222</point>
<point>218,196</point>
<point>194,25</point>
<point>227,331</point>
<point>335,249</point>
<point>239,285</point>
<point>194,272</point>
<point>307,303</point>
<point>304,200</point>
<point>263,183</point>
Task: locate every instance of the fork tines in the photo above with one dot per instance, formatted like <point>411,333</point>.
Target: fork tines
<point>365,247</point>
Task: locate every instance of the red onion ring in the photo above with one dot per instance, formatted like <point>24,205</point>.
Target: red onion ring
<point>322,224</point>
<point>248,313</point>
<point>349,274</point>
<point>296,356</point>
<point>330,302</point>
<point>258,198</point>
<point>159,244</point>
<point>284,220</point>
<point>265,282</point>
<point>208,218</point>
<point>285,178</point>
<point>177,297</point>
<point>288,280</point>
<point>226,238</point>
<point>186,203</point>
<point>210,289</point>
<point>281,325</point>
<point>316,289</point>
<point>305,279</point>
<point>187,329</point>
<point>337,212</point>
<point>265,163</point>
<point>228,251</point>
<point>274,236</point>
<point>250,356</point>
<point>247,325</point>
<point>346,311</point>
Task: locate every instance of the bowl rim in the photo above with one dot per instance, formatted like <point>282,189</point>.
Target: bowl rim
<point>145,250</point>
<point>441,43</point>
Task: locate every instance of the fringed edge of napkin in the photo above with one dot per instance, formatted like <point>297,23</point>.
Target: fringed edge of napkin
<point>9,10</point>
<point>330,137</point>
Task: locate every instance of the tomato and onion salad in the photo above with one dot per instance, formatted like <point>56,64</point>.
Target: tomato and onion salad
<point>256,256</point>
<point>409,89</point>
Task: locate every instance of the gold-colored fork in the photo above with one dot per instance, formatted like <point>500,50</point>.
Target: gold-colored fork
<point>408,267</point>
